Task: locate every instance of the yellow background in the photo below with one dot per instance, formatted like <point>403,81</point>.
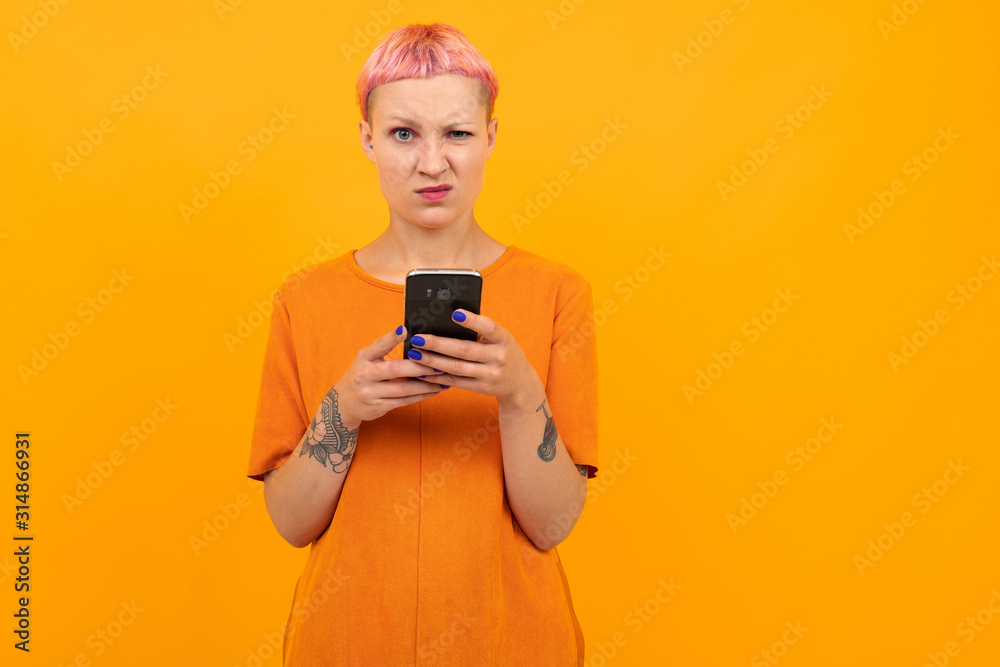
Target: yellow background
<point>683,127</point>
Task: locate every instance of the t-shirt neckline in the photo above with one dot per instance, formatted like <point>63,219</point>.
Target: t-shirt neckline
<point>378,282</point>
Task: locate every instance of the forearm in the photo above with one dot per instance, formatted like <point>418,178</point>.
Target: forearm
<point>302,494</point>
<point>544,488</point>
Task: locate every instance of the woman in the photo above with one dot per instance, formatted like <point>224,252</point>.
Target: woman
<point>432,520</point>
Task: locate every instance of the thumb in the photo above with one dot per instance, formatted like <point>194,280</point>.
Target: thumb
<point>384,344</point>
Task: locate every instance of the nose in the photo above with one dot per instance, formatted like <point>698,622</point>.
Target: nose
<point>432,159</point>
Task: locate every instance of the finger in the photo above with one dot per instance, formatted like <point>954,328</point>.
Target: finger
<point>400,387</point>
<point>384,344</point>
<point>398,402</point>
<point>450,365</point>
<point>397,368</point>
<point>404,388</point>
<point>489,331</point>
<point>454,348</point>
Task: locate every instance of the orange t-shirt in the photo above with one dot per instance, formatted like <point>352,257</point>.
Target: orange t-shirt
<point>423,562</point>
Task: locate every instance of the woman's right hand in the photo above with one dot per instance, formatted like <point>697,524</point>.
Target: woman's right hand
<point>373,385</point>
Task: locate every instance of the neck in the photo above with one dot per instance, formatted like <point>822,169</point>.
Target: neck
<point>404,245</point>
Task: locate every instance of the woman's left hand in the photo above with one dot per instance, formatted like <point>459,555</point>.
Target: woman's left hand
<point>494,365</point>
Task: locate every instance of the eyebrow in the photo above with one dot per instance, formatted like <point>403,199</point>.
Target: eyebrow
<point>410,121</point>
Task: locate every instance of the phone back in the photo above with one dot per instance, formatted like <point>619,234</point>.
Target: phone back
<point>432,295</point>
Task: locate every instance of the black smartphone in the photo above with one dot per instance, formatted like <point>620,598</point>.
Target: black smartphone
<point>430,296</point>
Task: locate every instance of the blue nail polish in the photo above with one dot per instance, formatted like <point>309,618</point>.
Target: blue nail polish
<point>417,340</point>
<point>459,317</point>
<point>438,370</point>
<point>399,329</point>
<point>421,376</point>
<point>445,386</point>
<point>415,354</point>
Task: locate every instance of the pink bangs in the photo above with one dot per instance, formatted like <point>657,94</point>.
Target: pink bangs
<point>420,51</point>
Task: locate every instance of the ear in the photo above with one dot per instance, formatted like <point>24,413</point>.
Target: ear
<point>366,139</point>
<point>491,136</point>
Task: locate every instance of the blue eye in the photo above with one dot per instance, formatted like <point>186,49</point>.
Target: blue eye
<point>398,133</point>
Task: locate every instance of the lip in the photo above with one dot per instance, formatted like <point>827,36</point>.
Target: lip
<point>434,192</point>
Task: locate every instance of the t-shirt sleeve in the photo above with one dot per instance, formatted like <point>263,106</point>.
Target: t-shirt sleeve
<point>571,386</point>
<point>281,416</point>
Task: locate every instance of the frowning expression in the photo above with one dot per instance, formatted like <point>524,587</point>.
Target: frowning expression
<point>431,142</point>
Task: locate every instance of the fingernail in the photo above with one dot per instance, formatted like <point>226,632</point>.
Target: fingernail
<point>417,340</point>
<point>438,370</point>
<point>415,354</point>
<point>399,329</point>
<point>421,376</point>
<point>445,386</point>
<point>459,316</point>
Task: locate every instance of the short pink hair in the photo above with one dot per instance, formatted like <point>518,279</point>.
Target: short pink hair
<point>421,51</point>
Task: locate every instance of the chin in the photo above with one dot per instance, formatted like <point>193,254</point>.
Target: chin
<point>438,216</point>
<point>433,222</point>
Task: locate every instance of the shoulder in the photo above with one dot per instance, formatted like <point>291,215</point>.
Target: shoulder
<point>311,283</point>
<point>564,280</point>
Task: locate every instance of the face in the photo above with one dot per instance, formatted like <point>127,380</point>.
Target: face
<point>429,132</point>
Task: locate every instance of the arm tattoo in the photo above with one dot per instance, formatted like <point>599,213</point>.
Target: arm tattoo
<point>328,438</point>
<point>583,470</point>
<point>547,450</point>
